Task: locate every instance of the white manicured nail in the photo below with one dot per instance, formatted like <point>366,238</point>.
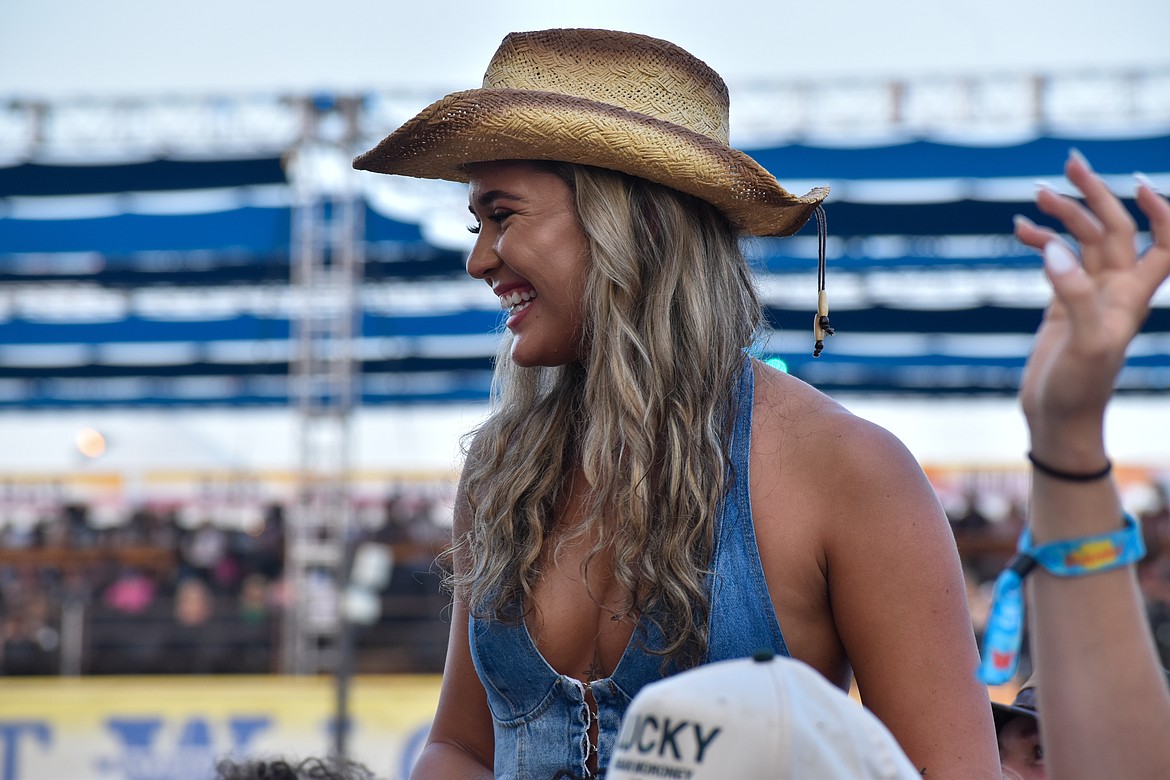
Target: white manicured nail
<point>1019,220</point>
<point>1058,259</point>
<point>1075,154</point>
<point>1041,185</point>
<point>1144,180</point>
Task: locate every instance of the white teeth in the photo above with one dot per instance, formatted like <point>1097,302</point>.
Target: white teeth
<point>517,301</point>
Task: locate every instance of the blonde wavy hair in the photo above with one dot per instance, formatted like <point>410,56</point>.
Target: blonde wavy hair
<point>668,311</point>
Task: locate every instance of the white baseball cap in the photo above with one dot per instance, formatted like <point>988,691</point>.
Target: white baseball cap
<point>761,717</point>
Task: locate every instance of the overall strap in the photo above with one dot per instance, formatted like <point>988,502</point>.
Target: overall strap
<point>742,619</point>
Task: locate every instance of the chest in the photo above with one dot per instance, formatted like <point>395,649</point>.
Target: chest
<point>575,613</point>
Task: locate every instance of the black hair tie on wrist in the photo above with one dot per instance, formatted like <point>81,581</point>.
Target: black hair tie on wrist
<point>1069,476</point>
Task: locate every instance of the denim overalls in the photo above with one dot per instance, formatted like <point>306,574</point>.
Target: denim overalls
<point>541,718</point>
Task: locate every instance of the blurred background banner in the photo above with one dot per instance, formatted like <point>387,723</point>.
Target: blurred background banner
<point>235,374</point>
<point>136,728</point>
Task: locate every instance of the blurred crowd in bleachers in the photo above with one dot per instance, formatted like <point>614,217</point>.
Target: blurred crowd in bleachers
<point>175,591</point>
<point>170,591</point>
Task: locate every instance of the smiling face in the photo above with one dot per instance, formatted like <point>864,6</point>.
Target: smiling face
<point>531,249</point>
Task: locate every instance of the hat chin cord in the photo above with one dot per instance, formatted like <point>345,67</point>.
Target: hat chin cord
<point>821,326</point>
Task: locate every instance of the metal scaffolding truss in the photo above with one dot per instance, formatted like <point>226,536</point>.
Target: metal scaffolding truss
<point>326,271</point>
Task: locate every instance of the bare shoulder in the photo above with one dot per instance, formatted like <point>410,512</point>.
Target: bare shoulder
<point>837,484</point>
<point>802,432</point>
<point>862,566</point>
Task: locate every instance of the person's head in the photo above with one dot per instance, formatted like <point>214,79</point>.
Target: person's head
<point>193,602</point>
<point>596,99</point>
<point>584,256</point>
<point>1017,728</point>
<point>282,769</point>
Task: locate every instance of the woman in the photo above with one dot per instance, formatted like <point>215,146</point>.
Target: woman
<point>1104,698</point>
<point>645,498</point>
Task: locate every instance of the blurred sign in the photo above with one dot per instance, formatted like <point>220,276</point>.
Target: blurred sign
<point>171,728</point>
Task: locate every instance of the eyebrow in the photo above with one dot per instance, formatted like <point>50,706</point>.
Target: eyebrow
<point>484,199</point>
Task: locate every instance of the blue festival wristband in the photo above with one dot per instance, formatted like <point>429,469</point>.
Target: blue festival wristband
<point>1064,558</point>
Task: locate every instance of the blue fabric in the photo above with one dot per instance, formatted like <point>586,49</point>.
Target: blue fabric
<point>137,329</point>
<point>934,160</point>
<point>39,179</point>
<point>541,718</point>
<point>239,233</point>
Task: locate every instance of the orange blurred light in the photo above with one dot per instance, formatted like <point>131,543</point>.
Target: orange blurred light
<point>91,443</point>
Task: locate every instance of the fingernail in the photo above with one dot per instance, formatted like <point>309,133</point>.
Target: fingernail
<point>1042,185</point>
<point>1075,154</point>
<point>1144,181</point>
<point>1058,259</point>
<point>1019,220</point>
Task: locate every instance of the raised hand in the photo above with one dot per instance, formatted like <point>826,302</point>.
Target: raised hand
<point>1099,305</point>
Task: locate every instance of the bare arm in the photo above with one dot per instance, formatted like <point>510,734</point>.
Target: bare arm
<point>1106,710</point>
<point>899,602</point>
<point>461,742</point>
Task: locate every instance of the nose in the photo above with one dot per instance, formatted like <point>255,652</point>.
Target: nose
<point>482,261</point>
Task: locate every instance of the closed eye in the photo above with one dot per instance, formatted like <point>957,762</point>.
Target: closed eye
<point>497,217</point>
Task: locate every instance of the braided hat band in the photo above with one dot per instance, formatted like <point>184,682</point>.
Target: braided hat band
<point>614,100</point>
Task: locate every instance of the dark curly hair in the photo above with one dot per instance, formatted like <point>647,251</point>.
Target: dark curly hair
<point>278,769</point>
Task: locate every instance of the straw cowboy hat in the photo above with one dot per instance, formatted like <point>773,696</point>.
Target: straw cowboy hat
<point>613,100</point>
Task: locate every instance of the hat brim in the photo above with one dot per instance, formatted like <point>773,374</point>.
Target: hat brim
<point>483,125</point>
<point>1002,713</point>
